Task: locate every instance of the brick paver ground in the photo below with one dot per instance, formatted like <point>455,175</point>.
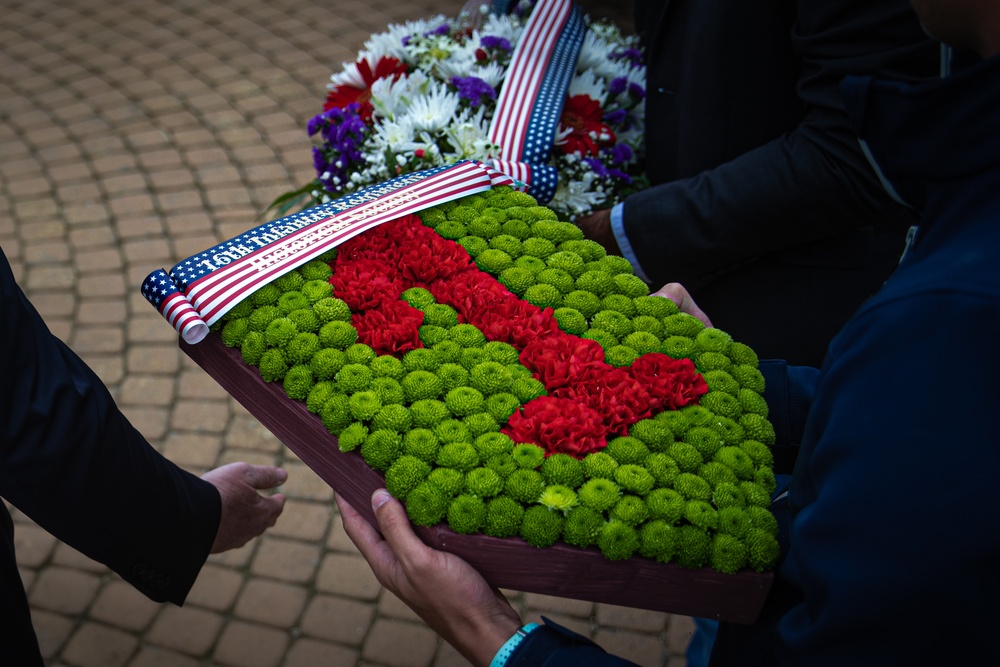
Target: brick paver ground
<point>134,133</point>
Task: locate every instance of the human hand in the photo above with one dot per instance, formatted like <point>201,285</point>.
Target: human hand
<point>680,296</point>
<point>444,590</point>
<point>245,513</point>
<point>597,227</point>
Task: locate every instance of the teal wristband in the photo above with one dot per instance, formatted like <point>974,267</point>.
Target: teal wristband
<point>500,659</point>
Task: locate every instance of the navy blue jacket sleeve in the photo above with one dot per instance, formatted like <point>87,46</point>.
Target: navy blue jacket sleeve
<point>71,461</point>
<point>551,645</point>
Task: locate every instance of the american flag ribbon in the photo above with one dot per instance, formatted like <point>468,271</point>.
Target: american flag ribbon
<point>534,92</point>
<point>197,292</point>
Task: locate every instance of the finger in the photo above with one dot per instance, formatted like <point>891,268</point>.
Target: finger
<point>265,477</point>
<point>395,526</point>
<point>684,301</point>
<point>362,533</point>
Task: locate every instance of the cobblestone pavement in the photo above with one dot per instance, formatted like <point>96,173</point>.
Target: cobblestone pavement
<point>136,133</point>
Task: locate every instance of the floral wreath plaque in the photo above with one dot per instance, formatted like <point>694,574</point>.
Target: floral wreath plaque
<point>538,412</point>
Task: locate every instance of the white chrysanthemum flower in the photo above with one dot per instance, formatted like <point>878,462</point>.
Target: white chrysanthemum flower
<point>390,42</point>
<point>392,133</point>
<point>589,84</point>
<point>468,138</point>
<point>434,110</point>
<point>390,98</point>
<point>460,60</point>
<point>595,55</point>
<point>577,197</point>
<point>506,26</point>
<point>491,73</point>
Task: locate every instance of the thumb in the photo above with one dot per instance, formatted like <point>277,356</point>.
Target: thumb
<point>265,477</point>
<point>394,524</point>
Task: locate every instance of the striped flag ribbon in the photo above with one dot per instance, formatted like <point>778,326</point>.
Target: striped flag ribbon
<point>534,92</point>
<point>204,287</point>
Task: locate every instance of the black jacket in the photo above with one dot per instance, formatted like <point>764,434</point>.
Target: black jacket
<point>72,462</point>
<point>763,203</point>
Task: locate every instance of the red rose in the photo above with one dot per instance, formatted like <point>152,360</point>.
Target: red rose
<point>558,426</point>
<point>672,383</point>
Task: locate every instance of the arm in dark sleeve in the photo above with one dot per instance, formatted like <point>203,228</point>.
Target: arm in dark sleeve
<point>71,461</point>
<point>808,184</point>
<point>789,392</point>
<point>551,645</point>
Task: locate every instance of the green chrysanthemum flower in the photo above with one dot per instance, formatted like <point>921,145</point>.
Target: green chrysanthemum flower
<point>337,334</point>
<point>727,494</point>
<point>493,261</point>
<point>613,322</point>
<point>524,485</point>
<point>449,480</point>
<point>695,547</point>
<point>273,365</point>
<point>734,521</point>
<point>290,301</point>
<point>528,455</point>
<point>265,296</point>
<point>586,302</point>
<point>549,227</point>
<point>630,509</point>
<point>686,455</point>
<point>470,357</point>
<point>658,540</point>
<point>654,434</point>
<point>722,404</point>
<point>507,243</point>
<point>304,319</point>
<point>757,428</point>
<point>683,324</point>
<point>484,226</point>
<point>352,436</point>
<point>728,554</point>
<point>517,279</point>
<point>352,378</point>
<point>558,498</point>
<point>463,213</point>
<point>490,377</point>
<point>736,460</point>
<point>618,540</point>
<point>418,297</point>
<point>516,228</point>
<point>240,311</point>
<point>302,348</point>
<point>562,469</point>
<point>742,355</point>
<point>630,285</point>
<point>467,335</point>
<point>570,320</point>
<point>692,487</point>
<point>279,332</point>
<point>620,356</point>
<point>756,494</point>
<point>663,468</point>
<point>427,504</point>
<point>319,395</point>
<point>751,401</point>
<point>558,278</point>
<point>666,505</point>
<point>543,296</point>
<point>332,309</point>
<point>421,385</point>
<point>298,382</point>
<point>392,417</point>
<point>492,444</point>
<point>501,406</point>
<point>603,338</point>
<point>540,526</point>
<point>502,465</point>
<point>405,475</point>
<point>422,444</point>
<point>503,517</point>
<point>706,440</point>
<point>234,332</point>
<point>582,526</point>
<point>535,246</point>
<point>626,449</point>
<point>364,405</point>
<point>431,335</point>
<point>700,513</point>
<point>748,377</point>
<point>599,494</point>
<point>570,263</point>
<point>317,290</point>
<point>466,514</point>
<point>463,401</point>
<point>448,350</point>
<point>315,270</point>
<point>655,306</point>
<point>649,325</point>
<point>619,303</point>
<point>596,282</point>
<point>359,353</point>
<point>421,359</point>
<point>452,430</point>
<point>759,453</point>
<point>336,413</point>
<point>527,388</point>
<point>762,550</point>
<point>600,465</point>
<point>472,244</point>
<point>716,473</point>
<point>460,455</point>
<point>381,449</point>
<point>428,412</point>
<point>530,263</point>
<point>762,519</point>
<point>480,423</point>
<point>764,477</point>
<point>679,347</point>
<point>483,482</point>
<point>634,479</point>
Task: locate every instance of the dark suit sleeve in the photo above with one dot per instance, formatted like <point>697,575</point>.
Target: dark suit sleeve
<point>808,184</point>
<point>552,645</point>
<point>71,461</point>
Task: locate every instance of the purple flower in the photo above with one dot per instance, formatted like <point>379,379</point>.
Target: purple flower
<point>499,43</point>
<point>618,85</point>
<point>620,153</point>
<point>473,89</point>
<point>441,30</point>
<point>615,117</point>
<point>634,56</point>
<point>597,167</point>
<point>636,91</point>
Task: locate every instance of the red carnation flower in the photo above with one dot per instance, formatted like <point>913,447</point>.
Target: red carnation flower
<point>559,360</point>
<point>616,396</point>
<point>364,283</point>
<point>433,258</point>
<point>344,94</point>
<point>558,426</point>
<point>582,128</point>
<point>392,328</point>
<point>672,383</point>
